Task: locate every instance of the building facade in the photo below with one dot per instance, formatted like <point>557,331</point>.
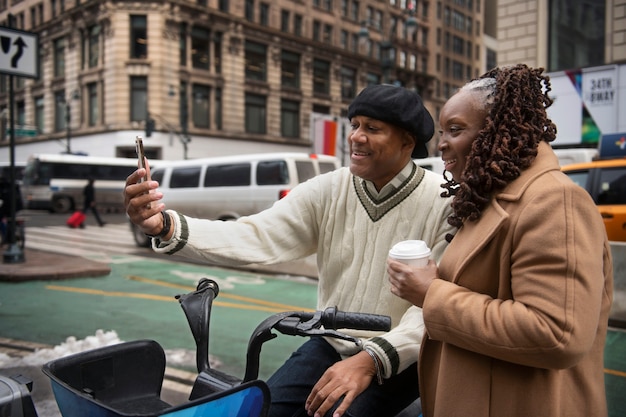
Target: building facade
<point>216,77</point>
<point>561,34</point>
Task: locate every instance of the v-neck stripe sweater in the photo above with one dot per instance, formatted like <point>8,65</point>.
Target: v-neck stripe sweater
<point>332,215</point>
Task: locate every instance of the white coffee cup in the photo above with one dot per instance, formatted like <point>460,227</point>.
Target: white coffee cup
<point>411,252</point>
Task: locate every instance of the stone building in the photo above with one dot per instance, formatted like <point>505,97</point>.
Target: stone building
<point>215,77</point>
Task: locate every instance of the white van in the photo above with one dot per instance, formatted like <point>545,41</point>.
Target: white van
<point>433,163</point>
<point>569,156</point>
<point>228,187</point>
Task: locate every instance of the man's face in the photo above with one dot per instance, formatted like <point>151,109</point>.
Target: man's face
<point>378,150</point>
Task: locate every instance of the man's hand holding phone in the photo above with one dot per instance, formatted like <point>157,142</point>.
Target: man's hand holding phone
<point>141,157</point>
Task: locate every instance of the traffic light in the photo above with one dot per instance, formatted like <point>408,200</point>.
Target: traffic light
<point>149,125</point>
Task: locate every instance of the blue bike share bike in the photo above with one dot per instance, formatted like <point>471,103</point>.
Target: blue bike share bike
<point>126,379</point>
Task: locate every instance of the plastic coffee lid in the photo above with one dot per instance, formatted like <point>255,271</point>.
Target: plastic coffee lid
<point>409,249</point>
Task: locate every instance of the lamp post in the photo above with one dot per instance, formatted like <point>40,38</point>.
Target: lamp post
<point>68,118</point>
<point>387,50</point>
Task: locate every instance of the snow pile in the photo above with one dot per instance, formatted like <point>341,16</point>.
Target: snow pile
<point>70,346</point>
<point>174,357</point>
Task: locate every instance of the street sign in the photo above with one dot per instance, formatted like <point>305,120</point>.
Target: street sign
<point>19,52</point>
<point>22,131</point>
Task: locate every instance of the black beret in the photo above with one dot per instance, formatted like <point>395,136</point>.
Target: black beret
<point>399,107</point>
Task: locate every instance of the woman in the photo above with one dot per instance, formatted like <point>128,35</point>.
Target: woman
<point>516,312</point>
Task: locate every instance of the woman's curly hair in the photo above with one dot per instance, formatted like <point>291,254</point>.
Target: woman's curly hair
<point>516,99</point>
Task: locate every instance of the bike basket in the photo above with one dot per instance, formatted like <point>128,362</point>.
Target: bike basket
<point>126,380</point>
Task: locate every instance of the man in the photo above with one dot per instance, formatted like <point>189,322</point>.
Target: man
<point>89,196</point>
<point>350,218</point>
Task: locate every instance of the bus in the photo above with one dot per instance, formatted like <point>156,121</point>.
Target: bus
<point>5,171</point>
<point>55,182</point>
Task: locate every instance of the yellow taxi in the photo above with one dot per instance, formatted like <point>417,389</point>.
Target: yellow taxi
<point>605,180</point>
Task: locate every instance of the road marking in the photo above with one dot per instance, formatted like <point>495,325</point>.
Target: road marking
<point>614,372</point>
<point>258,306</point>
<point>255,301</point>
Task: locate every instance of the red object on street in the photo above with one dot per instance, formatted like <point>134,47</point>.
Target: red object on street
<point>76,219</point>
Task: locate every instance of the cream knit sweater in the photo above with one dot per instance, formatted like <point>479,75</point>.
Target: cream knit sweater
<point>325,216</point>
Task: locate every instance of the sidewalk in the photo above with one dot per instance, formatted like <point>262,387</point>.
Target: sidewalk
<point>50,266</point>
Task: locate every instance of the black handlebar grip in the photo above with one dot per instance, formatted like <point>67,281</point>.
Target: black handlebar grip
<point>335,319</point>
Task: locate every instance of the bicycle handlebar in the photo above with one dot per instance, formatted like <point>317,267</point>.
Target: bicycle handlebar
<point>331,318</point>
<point>197,307</point>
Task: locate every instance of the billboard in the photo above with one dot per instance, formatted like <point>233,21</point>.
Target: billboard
<point>587,103</point>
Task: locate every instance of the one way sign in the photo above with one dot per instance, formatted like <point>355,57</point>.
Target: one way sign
<point>19,52</point>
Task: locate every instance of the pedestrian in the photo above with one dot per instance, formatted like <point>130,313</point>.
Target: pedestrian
<point>89,196</point>
<point>350,217</point>
<point>5,206</point>
<point>516,312</point>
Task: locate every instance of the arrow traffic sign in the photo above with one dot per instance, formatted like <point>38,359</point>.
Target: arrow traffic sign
<point>19,52</point>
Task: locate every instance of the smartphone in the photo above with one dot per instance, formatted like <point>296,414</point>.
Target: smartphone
<point>141,155</point>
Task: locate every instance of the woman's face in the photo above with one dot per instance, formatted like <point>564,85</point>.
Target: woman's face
<point>461,118</point>
<point>378,150</point>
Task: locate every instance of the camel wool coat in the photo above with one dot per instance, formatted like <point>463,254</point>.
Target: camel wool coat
<point>517,323</point>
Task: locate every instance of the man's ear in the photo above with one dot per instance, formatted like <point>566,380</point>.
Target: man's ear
<point>408,141</point>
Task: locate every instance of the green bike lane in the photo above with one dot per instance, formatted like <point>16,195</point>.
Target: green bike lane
<point>137,301</point>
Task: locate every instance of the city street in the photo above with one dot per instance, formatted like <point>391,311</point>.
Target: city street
<point>136,300</point>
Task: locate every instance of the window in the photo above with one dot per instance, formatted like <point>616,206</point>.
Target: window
<point>231,175</point>
<point>290,69</point>
<point>343,39</point>
<point>94,110</point>
<point>182,44</point>
<point>93,46</point>
<point>223,6</point>
<point>200,48</point>
<point>200,109</point>
<point>290,119</point>
<point>272,173</point>
<point>317,28</point>
<point>328,34</point>
<point>321,76</point>
<point>284,20</point>
<point>372,79</point>
<point>217,52</point>
<point>348,83</point>
<point>305,169</point>
<point>457,70</point>
<point>458,45</point>
<point>218,108</point>
<point>59,111</point>
<point>59,57</point>
<point>355,11</point>
<point>577,34</point>
<point>186,177</point>
<point>256,113</point>
<point>138,37</point>
<point>264,12</point>
<point>612,186</point>
<point>297,25</point>
<point>138,98</point>
<point>39,114</point>
<point>250,10</point>
<point>20,109</point>
<point>256,61</point>
<point>40,63</point>
<point>184,117</point>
